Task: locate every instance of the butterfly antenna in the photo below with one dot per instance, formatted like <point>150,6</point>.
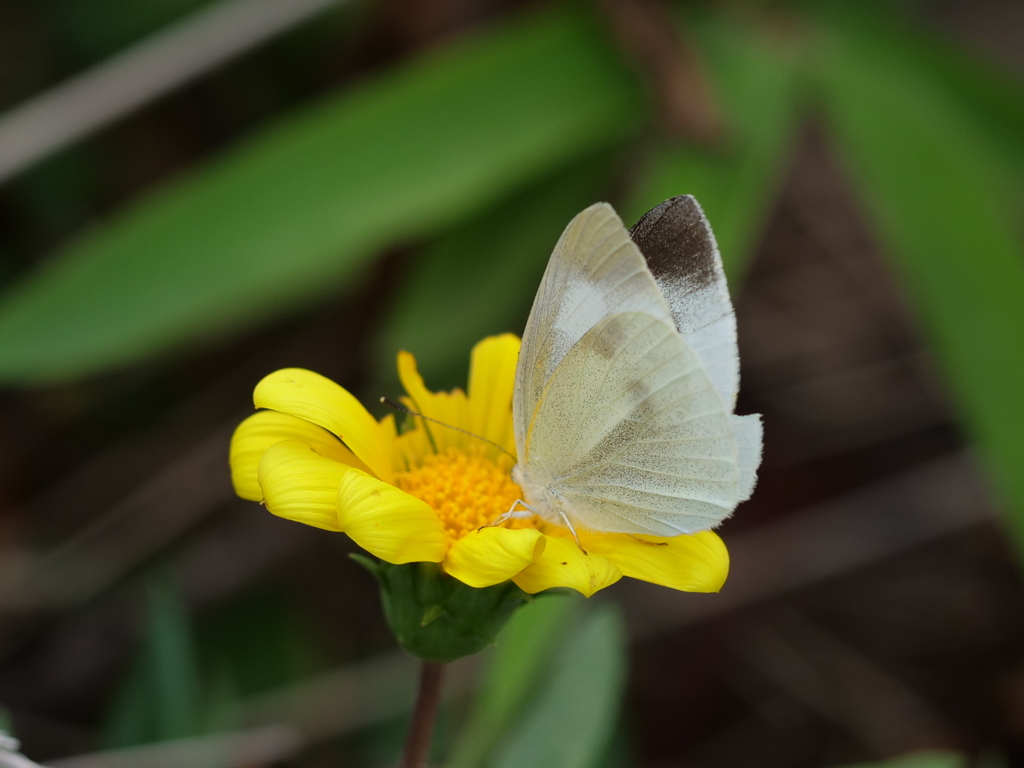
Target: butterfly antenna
<point>399,407</point>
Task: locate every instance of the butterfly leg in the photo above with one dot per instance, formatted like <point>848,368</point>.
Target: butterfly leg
<point>512,514</point>
<point>565,519</point>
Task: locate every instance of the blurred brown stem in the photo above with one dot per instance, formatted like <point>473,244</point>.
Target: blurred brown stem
<point>652,38</point>
<point>421,729</point>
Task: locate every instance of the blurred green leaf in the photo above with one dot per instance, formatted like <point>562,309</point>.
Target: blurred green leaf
<point>524,651</point>
<point>572,718</point>
<point>933,187</point>
<point>296,211</point>
<point>995,98</point>
<point>754,75</point>
<point>162,697</point>
<point>481,278</point>
<point>929,759</point>
<point>990,96</point>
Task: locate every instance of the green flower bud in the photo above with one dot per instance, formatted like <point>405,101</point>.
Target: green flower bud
<point>436,617</point>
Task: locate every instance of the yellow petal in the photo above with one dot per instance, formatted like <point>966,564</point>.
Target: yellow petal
<point>388,522</point>
<point>388,425</point>
<point>413,446</point>
<point>261,430</point>
<point>492,372</point>
<point>412,381</point>
<point>490,556</point>
<point>315,398</point>
<point>562,564</point>
<point>696,562</point>
<point>450,408</point>
<point>300,484</point>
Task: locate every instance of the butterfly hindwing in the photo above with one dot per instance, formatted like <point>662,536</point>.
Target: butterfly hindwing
<point>630,435</point>
<point>748,433</point>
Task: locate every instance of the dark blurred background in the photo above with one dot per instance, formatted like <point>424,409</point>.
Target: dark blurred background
<point>194,193</point>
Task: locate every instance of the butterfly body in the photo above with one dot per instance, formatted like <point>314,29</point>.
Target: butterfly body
<point>627,378</point>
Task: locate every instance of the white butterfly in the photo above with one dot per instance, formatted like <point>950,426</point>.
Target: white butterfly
<point>627,380</point>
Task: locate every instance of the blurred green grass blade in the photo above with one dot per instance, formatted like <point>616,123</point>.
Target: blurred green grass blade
<point>481,278</point>
<point>174,664</point>
<point>755,82</point>
<point>296,211</point>
<point>572,718</point>
<point>162,696</point>
<point>928,759</point>
<point>524,651</point>
<point>131,719</point>
<point>933,187</point>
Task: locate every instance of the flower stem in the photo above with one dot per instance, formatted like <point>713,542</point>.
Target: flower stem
<point>417,743</point>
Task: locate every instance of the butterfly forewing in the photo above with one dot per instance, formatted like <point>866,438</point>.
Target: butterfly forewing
<point>595,271</point>
<point>630,435</point>
<point>680,250</point>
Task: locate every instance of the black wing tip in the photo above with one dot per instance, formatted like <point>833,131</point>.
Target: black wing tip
<point>679,202</point>
<point>682,211</point>
<point>676,241</point>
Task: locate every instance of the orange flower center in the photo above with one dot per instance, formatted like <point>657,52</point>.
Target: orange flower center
<point>466,490</point>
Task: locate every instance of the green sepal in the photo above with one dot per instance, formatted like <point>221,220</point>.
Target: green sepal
<point>436,617</point>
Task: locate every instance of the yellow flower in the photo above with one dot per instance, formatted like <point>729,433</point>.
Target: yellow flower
<point>314,454</point>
